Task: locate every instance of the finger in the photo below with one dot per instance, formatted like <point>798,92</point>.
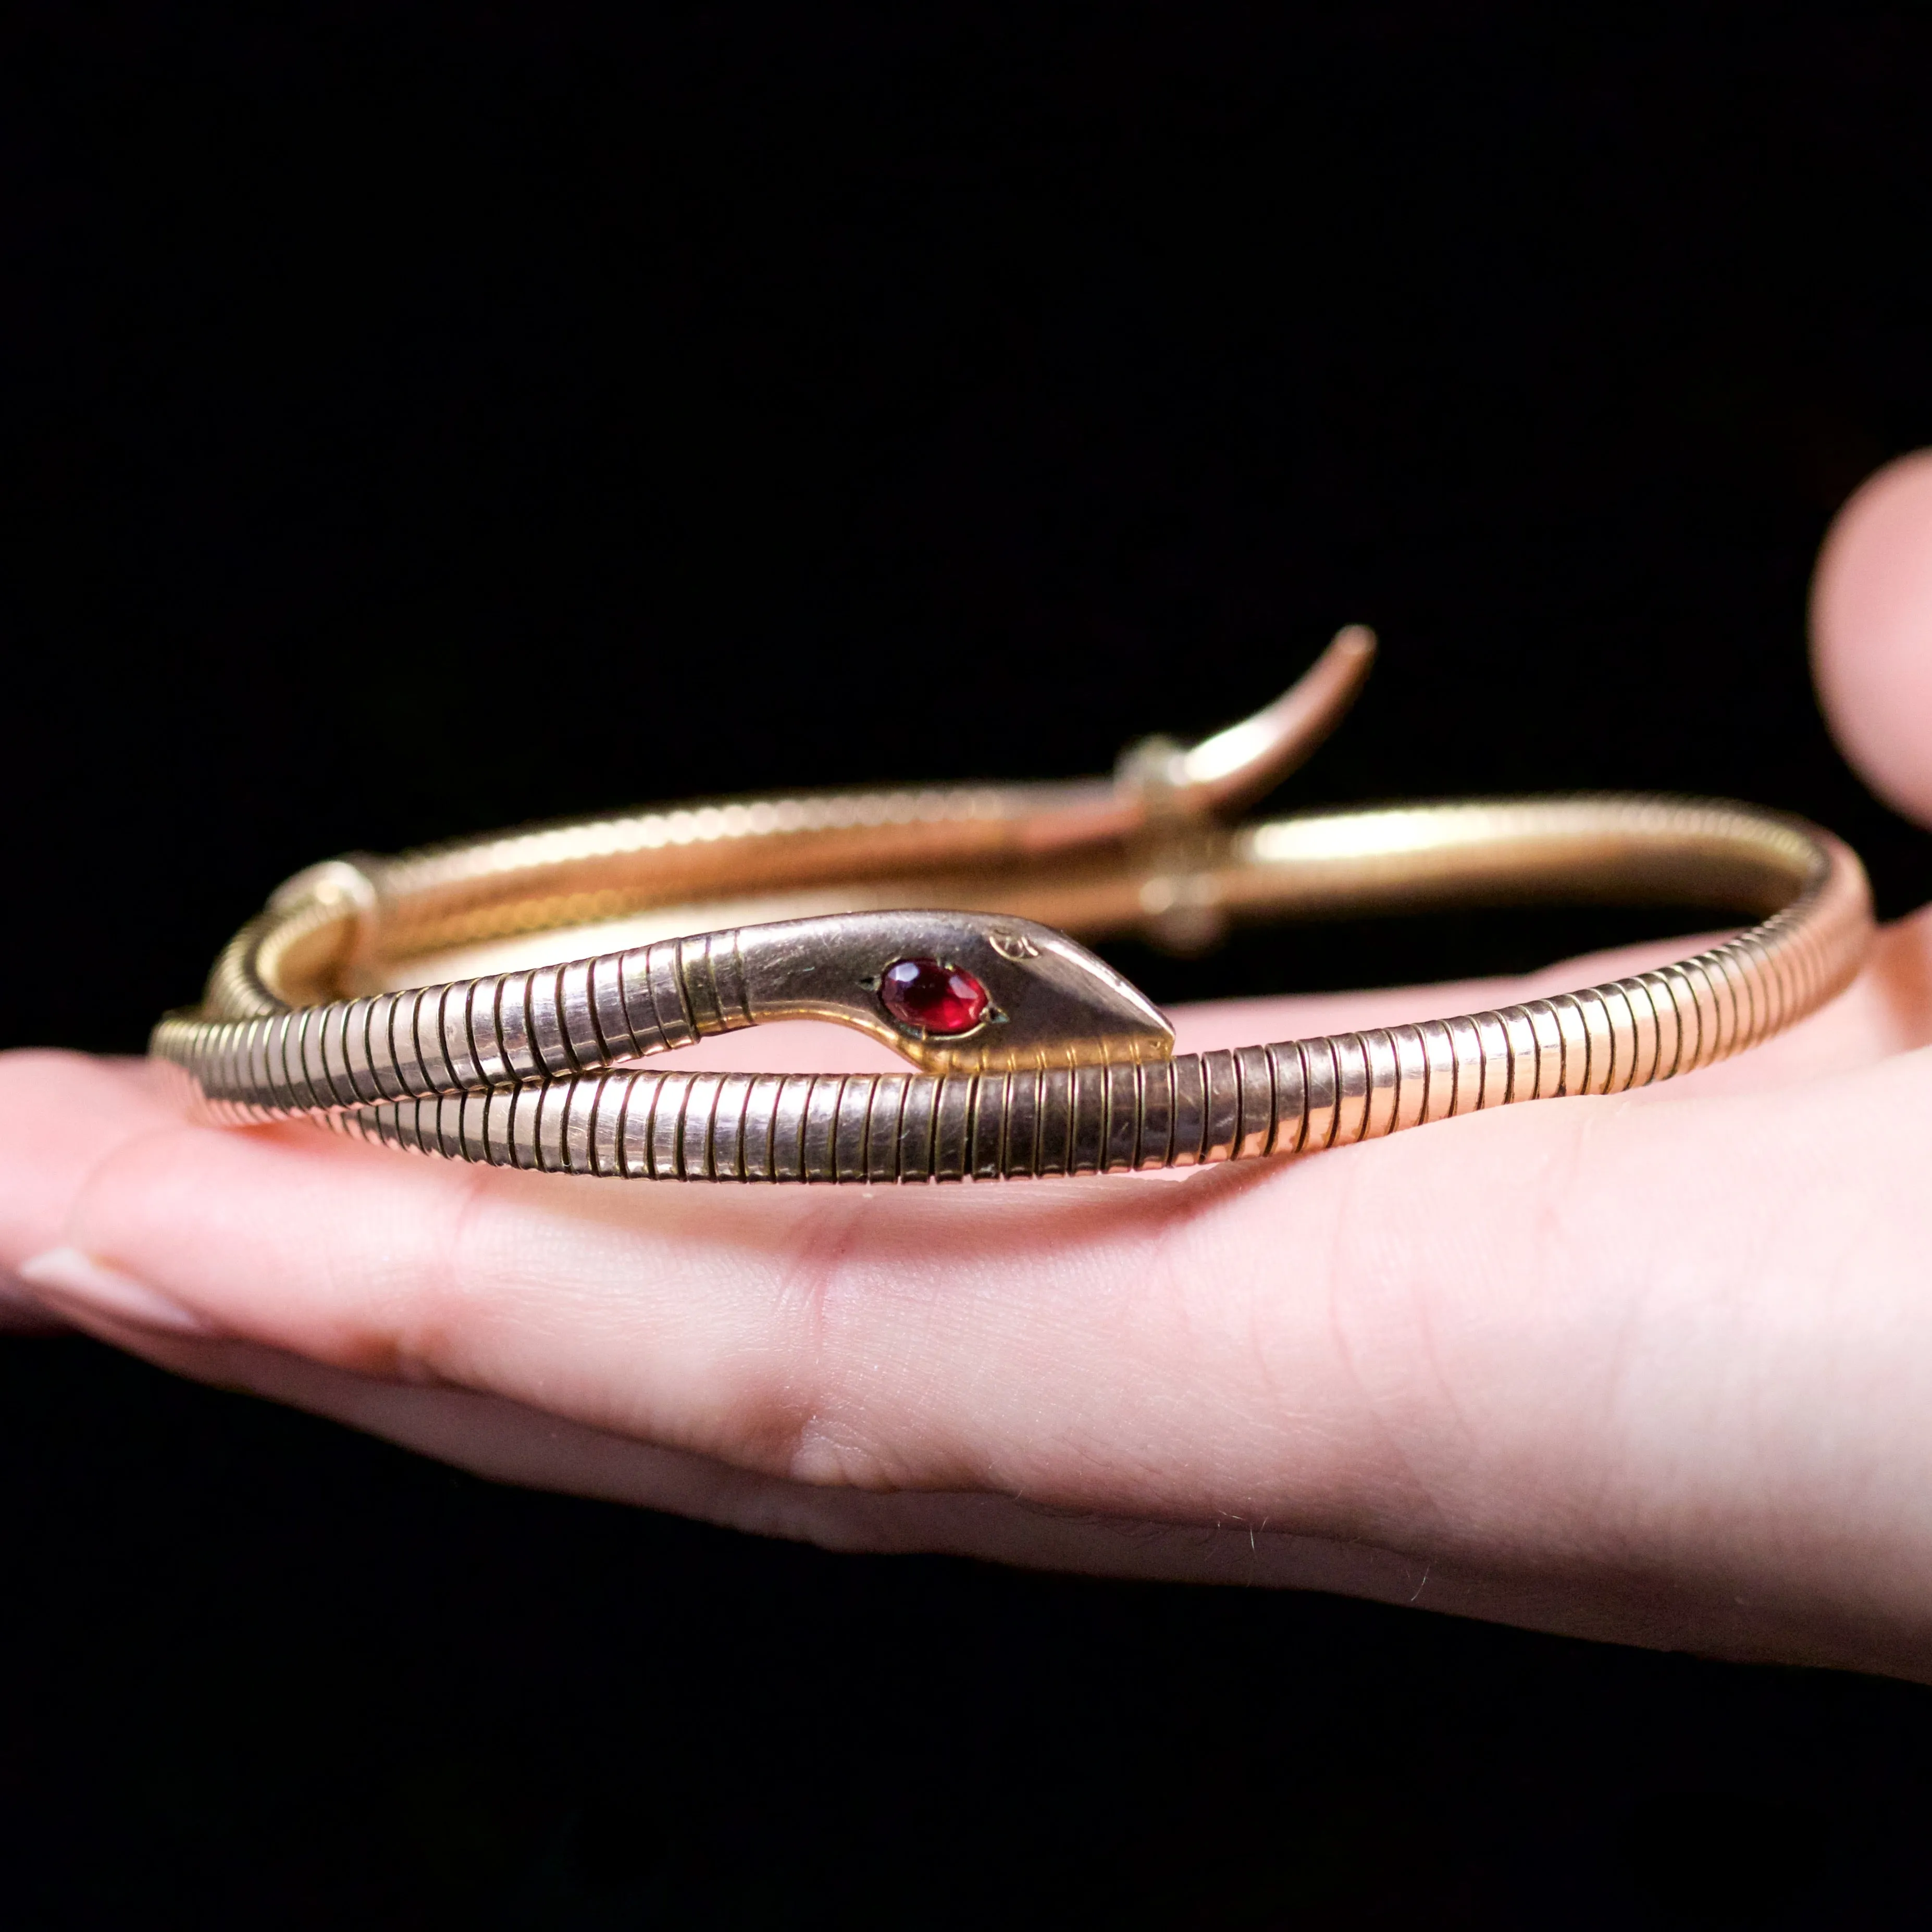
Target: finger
<point>70,1112</point>
<point>1871,629</point>
<point>1586,1336</point>
<point>507,1442</point>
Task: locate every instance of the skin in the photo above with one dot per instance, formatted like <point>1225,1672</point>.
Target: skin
<point>1654,1368</point>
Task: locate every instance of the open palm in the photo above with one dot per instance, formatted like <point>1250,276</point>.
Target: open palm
<point>1656,1367</point>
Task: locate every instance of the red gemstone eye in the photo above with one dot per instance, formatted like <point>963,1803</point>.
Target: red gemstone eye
<point>935,998</point>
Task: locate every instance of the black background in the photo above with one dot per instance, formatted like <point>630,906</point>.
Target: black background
<point>705,399</point>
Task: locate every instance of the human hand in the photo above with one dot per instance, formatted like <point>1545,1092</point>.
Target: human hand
<point>1654,1367</point>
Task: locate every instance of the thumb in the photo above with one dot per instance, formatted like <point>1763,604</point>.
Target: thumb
<point>1871,632</point>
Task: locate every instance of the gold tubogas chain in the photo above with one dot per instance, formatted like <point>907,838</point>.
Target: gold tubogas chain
<point>416,1001</point>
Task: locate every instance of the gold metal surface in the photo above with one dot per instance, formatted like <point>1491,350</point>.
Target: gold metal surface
<point>418,1000</point>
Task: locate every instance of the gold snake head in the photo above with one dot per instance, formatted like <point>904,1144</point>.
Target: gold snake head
<point>954,992</point>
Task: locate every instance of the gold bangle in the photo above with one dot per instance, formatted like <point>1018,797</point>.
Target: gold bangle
<point>1034,1057</point>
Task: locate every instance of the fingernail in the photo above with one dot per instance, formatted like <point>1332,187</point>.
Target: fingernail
<point>65,1275</point>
